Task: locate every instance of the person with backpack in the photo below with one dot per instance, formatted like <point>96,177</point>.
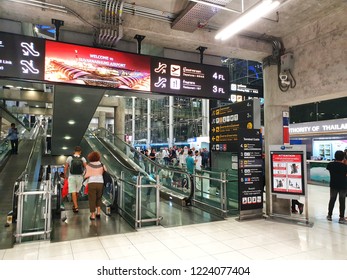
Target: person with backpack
<point>74,169</point>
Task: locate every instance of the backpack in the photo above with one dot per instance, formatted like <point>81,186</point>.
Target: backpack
<point>76,166</point>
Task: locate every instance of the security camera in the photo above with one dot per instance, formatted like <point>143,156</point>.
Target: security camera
<point>283,77</point>
<point>285,83</point>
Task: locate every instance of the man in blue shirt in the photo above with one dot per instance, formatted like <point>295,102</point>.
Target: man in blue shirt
<point>190,162</point>
<point>13,136</point>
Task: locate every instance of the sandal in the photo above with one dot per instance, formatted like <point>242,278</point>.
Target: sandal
<point>97,216</point>
<point>92,218</point>
<point>75,210</point>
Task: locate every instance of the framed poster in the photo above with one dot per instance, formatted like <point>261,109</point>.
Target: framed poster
<point>288,171</point>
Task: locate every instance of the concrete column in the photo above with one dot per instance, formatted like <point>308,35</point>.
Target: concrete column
<point>205,112</point>
<point>148,123</point>
<point>133,121</point>
<point>273,130</point>
<point>171,140</point>
<point>119,119</point>
<point>102,119</point>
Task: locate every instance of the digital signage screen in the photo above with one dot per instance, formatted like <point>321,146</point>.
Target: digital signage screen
<point>81,65</point>
<point>287,172</point>
<point>176,77</point>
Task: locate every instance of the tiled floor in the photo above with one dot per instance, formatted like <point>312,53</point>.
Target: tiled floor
<point>264,239</point>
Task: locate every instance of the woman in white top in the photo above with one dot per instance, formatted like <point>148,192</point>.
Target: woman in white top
<point>198,160</point>
<point>94,171</point>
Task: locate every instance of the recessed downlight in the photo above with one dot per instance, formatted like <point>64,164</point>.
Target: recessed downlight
<point>64,148</point>
<point>78,99</point>
<point>71,122</point>
<point>67,137</point>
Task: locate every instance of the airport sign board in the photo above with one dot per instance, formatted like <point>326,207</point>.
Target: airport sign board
<point>36,59</point>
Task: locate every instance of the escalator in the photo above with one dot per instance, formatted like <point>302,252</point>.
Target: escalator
<point>11,168</point>
<point>176,187</point>
<point>133,200</point>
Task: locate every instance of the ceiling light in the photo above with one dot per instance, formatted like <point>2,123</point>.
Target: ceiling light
<point>71,122</point>
<point>9,86</point>
<point>78,99</point>
<point>247,19</point>
<point>64,148</point>
<point>67,137</point>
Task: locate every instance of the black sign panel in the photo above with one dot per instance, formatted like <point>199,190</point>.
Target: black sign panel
<point>22,57</point>
<point>246,90</point>
<point>226,121</point>
<point>176,77</point>
<point>250,169</point>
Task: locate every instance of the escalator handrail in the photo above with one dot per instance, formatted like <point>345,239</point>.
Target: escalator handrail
<point>170,169</point>
<point>37,139</point>
<point>115,158</point>
<point>144,157</point>
<point>13,117</point>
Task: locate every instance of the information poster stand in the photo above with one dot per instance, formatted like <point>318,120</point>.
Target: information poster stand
<point>288,177</point>
<point>250,174</point>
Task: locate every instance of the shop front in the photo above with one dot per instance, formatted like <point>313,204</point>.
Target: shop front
<point>322,140</point>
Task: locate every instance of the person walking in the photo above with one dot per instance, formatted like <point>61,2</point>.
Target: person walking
<point>13,137</point>
<point>338,185</point>
<point>94,171</point>
<point>74,170</point>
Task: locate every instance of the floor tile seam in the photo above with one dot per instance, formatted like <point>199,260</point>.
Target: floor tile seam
<point>183,247</point>
<point>232,249</point>
<point>252,243</point>
<point>298,251</point>
<point>170,250</point>
<point>37,254</point>
<point>90,251</point>
<point>104,248</point>
<point>133,245</point>
<point>244,238</point>
<point>45,248</point>
<point>270,252</point>
<point>320,254</point>
<point>239,252</point>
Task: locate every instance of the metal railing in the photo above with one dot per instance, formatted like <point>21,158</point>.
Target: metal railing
<point>34,205</point>
<point>212,192</point>
<point>32,195</point>
<point>136,202</point>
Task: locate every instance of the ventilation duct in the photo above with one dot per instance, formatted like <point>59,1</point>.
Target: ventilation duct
<point>197,15</point>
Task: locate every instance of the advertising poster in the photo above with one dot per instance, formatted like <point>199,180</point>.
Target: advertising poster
<point>81,65</point>
<point>287,172</point>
